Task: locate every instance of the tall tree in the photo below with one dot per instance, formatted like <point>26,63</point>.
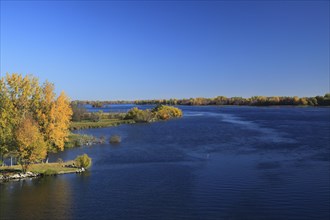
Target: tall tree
<point>32,147</point>
<point>6,125</point>
<point>23,97</point>
<point>54,117</point>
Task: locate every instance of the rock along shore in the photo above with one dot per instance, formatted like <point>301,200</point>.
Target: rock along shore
<point>29,175</point>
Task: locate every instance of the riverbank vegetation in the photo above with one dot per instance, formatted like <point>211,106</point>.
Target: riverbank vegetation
<point>33,120</point>
<point>252,101</point>
<point>41,168</point>
<point>80,164</point>
<point>83,161</point>
<point>86,124</point>
<point>223,100</point>
<point>101,104</point>
<point>84,120</point>
<point>160,112</point>
<point>78,140</point>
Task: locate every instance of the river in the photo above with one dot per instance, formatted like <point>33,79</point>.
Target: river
<point>214,163</point>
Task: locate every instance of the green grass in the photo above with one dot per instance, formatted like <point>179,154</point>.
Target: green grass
<point>99,124</point>
<point>42,168</point>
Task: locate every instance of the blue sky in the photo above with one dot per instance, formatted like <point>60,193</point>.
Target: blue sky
<point>101,50</point>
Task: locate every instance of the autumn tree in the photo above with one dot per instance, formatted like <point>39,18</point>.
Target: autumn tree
<point>15,92</point>
<point>23,97</point>
<point>53,116</point>
<point>6,121</point>
<point>32,147</point>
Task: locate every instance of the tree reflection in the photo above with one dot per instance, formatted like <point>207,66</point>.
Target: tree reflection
<point>36,199</point>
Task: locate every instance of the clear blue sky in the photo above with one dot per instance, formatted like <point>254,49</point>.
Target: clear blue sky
<point>105,50</point>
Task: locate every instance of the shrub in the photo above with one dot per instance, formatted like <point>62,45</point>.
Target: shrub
<point>160,112</point>
<point>163,112</point>
<point>139,115</point>
<point>95,117</point>
<point>83,161</point>
<point>59,160</point>
<point>77,140</point>
<point>115,139</point>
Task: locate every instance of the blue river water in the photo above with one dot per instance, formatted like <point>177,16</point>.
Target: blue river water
<point>214,163</point>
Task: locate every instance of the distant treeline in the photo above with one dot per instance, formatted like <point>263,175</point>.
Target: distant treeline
<point>100,104</point>
<point>222,100</point>
<point>253,101</point>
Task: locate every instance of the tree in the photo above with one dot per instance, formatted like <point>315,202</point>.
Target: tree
<point>54,117</point>
<point>164,112</point>
<point>23,97</point>
<point>295,100</point>
<point>59,131</point>
<point>15,101</point>
<point>220,100</point>
<point>31,145</point>
<point>303,101</point>
<point>6,129</point>
<point>78,112</point>
<point>83,161</point>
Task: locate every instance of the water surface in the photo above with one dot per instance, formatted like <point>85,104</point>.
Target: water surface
<point>214,163</point>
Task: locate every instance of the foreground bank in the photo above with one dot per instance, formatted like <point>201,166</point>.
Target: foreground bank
<point>37,170</point>
<point>79,165</point>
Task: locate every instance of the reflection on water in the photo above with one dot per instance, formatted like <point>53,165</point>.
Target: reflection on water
<point>40,198</point>
<point>214,163</point>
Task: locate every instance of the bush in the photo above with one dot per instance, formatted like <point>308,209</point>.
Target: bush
<point>83,161</point>
<point>77,140</point>
<point>139,115</point>
<point>115,139</point>
<point>163,112</point>
<point>59,160</point>
<point>160,112</point>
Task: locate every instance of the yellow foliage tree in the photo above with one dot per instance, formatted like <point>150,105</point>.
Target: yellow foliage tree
<point>54,116</point>
<point>59,129</point>
<point>31,145</point>
<point>6,125</point>
<point>22,97</point>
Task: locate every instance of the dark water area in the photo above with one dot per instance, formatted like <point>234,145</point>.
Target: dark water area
<point>214,163</point>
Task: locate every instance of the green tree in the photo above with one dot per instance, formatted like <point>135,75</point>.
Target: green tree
<point>78,112</point>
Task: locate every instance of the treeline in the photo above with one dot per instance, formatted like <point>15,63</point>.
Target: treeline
<point>253,101</point>
<point>100,104</point>
<point>33,120</point>
<point>222,100</point>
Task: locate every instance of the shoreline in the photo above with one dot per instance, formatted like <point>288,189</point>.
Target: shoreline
<point>14,173</point>
<point>81,125</point>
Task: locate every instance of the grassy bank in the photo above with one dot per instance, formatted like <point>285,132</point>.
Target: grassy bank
<point>85,124</point>
<point>43,168</point>
<point>78,140</point>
